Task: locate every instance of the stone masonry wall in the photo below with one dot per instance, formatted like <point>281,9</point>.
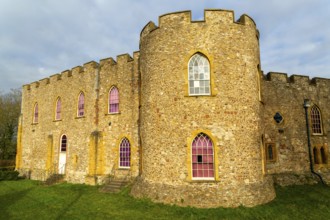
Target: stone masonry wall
<point>93,144</point>
<point>35,145</point>
<point>286,96</point>
<point>170,118</point>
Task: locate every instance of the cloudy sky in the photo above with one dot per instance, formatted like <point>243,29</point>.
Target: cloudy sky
<point>39,38</point>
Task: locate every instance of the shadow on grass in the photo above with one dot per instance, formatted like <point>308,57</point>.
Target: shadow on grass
<point>63,212</point>
<point>9,199</point>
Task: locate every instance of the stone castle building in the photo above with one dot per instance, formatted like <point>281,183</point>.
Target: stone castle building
<point>190,118</point>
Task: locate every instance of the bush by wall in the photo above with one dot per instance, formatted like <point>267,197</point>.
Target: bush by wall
<point>8,175</point>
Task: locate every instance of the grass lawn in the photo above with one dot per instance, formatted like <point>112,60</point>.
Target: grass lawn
<point>26,199</point>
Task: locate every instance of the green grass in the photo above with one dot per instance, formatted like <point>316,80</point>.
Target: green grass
<point>26,199</point>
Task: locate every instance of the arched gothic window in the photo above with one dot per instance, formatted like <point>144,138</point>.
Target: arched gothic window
<point>316,120</point>
<point>113,100</point>
<point>36,114</point>
<point>202,157</point>
<point>125,153</point>
<point>58,109</point>
<point>81,105</point>
<point>63,143</point>
<point>199,75</point>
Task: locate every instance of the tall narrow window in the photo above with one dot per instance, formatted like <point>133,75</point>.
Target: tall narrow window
<point>114,100</point>
<point>81,105</point>
<point>58,109</point>
<point>316,156</point>
<point>125,153</point>
<point>63,143</point>
<point>62,155</point>
<point>316,120</point>
<point>202,157</point>
<point>199,75</point>
<point>36,114</point>
<point>323,156</point>
<point>270,151</point>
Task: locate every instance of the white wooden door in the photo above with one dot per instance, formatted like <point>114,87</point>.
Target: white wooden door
<point>62,162</point>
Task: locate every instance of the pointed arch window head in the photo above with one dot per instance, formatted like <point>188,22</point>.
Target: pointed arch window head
<point>316,120</point>
<point>81,105</point>
<point>58,109</point>
<point>36,114</point>
<point>63,143</point>
<point>113,100</point>
<point>199,75</point>
<point>124,153</point>
<point>202,157</point>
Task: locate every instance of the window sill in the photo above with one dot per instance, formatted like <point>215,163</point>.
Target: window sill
<point>57,120</point>
<point>124,168</point>
<point>196,96</point>
<point>34,123</point>
<point>113,113</point>
<point>316,134</point>
<point>202,180</point>
<point>78,117</point>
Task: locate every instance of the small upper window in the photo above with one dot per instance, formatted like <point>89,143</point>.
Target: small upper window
<point>81,105</point>
<point>316,120</point>
<point>199,75</point>
<point>35,113</point>
<point>114,100</point>
<point>58,109</point>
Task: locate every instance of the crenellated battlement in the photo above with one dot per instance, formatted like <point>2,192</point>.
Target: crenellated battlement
<point>77,71</point>
<point>277,77</point>
<point>211,16</point>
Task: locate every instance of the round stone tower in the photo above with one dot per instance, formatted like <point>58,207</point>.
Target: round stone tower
<point>200,112</point>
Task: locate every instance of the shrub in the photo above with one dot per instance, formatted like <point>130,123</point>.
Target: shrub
<point>8,175</point>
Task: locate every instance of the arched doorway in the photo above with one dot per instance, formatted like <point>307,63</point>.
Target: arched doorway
<point>62,157</point>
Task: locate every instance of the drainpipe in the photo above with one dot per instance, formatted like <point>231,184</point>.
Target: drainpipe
<point>306,106</point>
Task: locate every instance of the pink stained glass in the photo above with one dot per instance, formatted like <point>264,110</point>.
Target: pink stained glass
<point>114,100</point>
<point>36,114</point>
<point>202,157</point>
<point>81,105</point>
<point>58,109</point>
<point>125,153</point>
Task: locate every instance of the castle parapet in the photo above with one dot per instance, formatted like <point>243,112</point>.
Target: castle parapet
<point>91,65</point>
<point>124,58</point>
<point>26,87</point>
<point>219,16</point>
<point>109,61</point>
<point>66,73</point>
<point>299,79</point>
<point>296,79</point>
<point>147,29</point>
<point>76,70</point>
<point>55,77</point>
<point>277,77</point>
<point>44,81</point>
<point>211,16</point>
<point>175,19</point>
